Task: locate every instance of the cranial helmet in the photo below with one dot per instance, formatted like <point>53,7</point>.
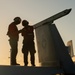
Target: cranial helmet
<point>17,19</point>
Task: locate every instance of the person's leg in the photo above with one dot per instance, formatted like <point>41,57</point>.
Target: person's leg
<point>25,53</point>
<point>32,52</point>
<point>14,50</point>
<point>32,58</point>
<point>25,58</point>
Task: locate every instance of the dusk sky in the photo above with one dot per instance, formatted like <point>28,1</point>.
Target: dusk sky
<point>34,11</point>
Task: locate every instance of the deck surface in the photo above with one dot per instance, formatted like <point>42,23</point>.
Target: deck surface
<point>22,70</point>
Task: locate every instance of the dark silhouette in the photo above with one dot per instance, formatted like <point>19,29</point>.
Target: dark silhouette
<point>28,43</point>
<point>13,34</point>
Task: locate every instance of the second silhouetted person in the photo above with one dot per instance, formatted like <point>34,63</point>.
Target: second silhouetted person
<point>28,43</point>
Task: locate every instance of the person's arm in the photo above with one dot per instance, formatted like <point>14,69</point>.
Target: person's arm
<point>20,31</point>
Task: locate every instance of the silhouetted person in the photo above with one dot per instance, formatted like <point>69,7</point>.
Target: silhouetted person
<point>28,43</point>
<point>13,34</point>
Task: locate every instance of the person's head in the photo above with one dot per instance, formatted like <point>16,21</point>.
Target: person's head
<point>17,20</point>
<point>25,23</point>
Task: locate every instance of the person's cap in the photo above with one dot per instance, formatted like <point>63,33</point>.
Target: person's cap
<point>25,22</point>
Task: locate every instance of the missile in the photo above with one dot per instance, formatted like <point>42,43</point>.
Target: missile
<point>53,18</point>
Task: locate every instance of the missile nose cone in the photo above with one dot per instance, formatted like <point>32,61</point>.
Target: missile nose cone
<point>68,11</point>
